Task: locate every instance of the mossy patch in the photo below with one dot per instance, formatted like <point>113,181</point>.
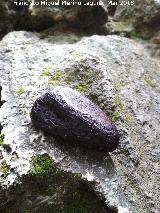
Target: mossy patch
<point>82,87</point>
<point>120,25</point>
<point>119,86</point>
<point>116,116</point>
<point>20,91</point>
<point>58,78</point>
<point>4,167</point>
<point>81,81</point>
<point>140,35</point>
<point>120,110</point>
<point>127,29</point>
<point>151,82</point>
<point>43,165</point>
<point>82,78</point>
<point>1,139</point>
<point>68,192</point>
<point>119,103</point>
<point>46,73</point>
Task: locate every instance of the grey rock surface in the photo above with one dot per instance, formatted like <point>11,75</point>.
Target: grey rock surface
<point>144,15</point>
<point>115,73</point>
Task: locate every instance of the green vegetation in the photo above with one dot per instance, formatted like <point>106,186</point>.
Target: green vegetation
<point>125,28</point>
<point>119,103</point>
<point>43,165</point>
<point>121,111</point>
<point>81,81</point>
<point>1,139</point>
<point>120,25</point>
<point>116,116</point>
<point>58,75</point>
<point>4,167</point>
<point>128,118</point>
<point>65,188</point>
<point>82,87</point>
<point>150,81</point>
<point>67,192</point>
<point>138,34</point>
<point>46,73</point>
<point>20,91</point>
<point>119,86</point>
<point>61,78</point>
<point>77,175</point>
<point>58,78</point>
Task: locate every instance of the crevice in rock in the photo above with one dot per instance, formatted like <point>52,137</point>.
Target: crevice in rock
<point>51,190</point>
<point>111,209</point>
<point>0,96</point>
<point>0,106</point>
<point>1,103</point>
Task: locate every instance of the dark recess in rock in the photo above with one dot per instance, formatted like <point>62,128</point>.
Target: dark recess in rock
<point>54,191</point>
<point>1,103</point>
<point>95,18</point>
<point>66,113</point>
<point>13,17</point>
<point>0,96</point>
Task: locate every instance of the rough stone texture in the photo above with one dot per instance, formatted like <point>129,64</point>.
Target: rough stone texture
<point>154,45</point>
<point>116,74</point>
<point>13,17</point>
<point>88,19</point>
<point>5,18</point>
<point>49,190</point>
<point>144,15</point>
<point>66,113</point>
<point>79,16</point>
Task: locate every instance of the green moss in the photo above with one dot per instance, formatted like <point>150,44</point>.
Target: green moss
<point>81,80</point>
<point>77,175</point>
<point>150,81</point>
<point>128,118</point>
<point>46,73</point>
<point>138,34</point>
<point>116,116</point>
<point>119,103</point>
<point>58,75</point>
<point>94,98</point>
<point>66,189</point>
<point>4,167</point>
<point>20,91</point>
<point>82,87</point>
<point>59,78</point>
<point>1,139</point>
<point>67,192</point>
<point>119,86</point>
<point>120,25</point>
<point>43,165</point>
<point>121,111</point>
